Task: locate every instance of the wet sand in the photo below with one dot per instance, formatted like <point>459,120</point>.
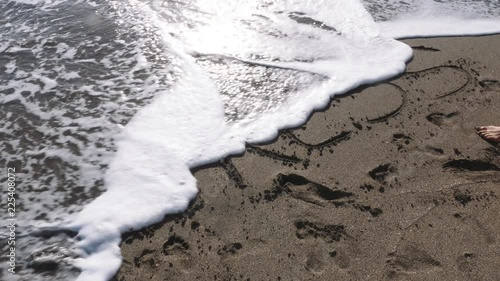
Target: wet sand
<point>389,182</point>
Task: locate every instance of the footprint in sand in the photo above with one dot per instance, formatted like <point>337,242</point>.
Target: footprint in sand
<point>401,140</point>
<point>383,173</point>
<point>146,257</point>
<point>327,232</point>
<point>483,233</point>
<point>410,258</point>
<point>176,251</point>
<point>434,151</point>
<point>311,192</point>
<point>304,190</point>
<point>175,245</point>
<point>314,264</point>
<point>230,249</point>
<point>442,119</point>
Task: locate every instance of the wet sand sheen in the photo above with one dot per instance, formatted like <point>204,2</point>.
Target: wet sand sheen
<point>389,182</point>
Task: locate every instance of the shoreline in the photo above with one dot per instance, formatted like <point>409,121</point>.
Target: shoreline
<point>368,187</point>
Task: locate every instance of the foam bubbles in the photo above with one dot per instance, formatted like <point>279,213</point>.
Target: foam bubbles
<point>428,18</point>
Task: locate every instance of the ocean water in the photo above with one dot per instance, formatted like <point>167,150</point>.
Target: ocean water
<point>107,105</point>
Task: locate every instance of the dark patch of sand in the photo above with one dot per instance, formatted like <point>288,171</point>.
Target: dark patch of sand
<point>390,182</point>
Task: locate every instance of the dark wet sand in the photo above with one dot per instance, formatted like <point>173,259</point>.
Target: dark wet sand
<point>390,182</point>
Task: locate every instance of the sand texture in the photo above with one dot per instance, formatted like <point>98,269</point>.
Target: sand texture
<point>390,182</point>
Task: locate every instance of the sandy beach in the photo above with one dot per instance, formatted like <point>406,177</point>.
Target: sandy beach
<point>389,182</point>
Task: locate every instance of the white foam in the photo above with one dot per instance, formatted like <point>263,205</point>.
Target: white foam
<point>45,4</point>
<point>442,26</point>
<point>429,18</point>
<point>10,67</point>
